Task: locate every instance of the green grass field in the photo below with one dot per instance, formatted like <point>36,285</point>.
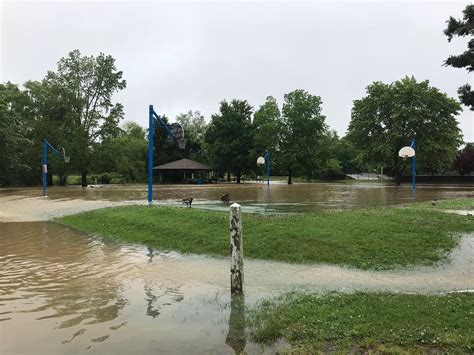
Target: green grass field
<point>378,238</point>
<point>361,322</point>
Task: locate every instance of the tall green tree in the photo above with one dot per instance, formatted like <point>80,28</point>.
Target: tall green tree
<point>14,135</point>
<point>124,154</point>
<point>268,126</point>
<point>49,120</point>
<point>85,85</point>
<point>303,128</point>
<point>391,115</point>
<point>230,138</point>
<point>462,28</point>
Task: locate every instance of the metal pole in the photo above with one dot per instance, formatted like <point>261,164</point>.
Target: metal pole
<point>413,165</point>
<point>45,166</point>
<point>236,247</point>
<point>150,155</point>
<point>268,168</point>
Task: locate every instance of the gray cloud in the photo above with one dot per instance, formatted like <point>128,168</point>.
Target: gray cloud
<point>191,55</point>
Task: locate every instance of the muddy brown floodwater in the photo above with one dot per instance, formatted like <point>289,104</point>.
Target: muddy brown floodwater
<point>62,291</point>
<point>278,198</point>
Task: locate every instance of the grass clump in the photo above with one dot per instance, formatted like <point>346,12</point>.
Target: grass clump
<point>366,321</point>
<point>379,238</point>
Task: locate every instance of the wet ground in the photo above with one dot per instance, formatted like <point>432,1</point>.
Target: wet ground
<point>65,292</point>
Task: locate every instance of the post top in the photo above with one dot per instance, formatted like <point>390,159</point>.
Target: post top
<point>235,205</point>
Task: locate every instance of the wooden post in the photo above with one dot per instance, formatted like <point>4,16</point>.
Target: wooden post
<point>236,247</point>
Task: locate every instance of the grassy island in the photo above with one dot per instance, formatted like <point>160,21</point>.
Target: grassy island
<point>377,238</point>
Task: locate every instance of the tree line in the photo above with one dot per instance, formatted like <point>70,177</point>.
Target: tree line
<point>73,108</point>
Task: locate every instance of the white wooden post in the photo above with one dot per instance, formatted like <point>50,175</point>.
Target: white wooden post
<point>237,252</point>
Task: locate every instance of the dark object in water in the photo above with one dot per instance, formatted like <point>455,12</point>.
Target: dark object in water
<point>187,201</point>
<point>226,199</point>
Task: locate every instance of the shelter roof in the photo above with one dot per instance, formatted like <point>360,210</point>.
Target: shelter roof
<point>183,164</point>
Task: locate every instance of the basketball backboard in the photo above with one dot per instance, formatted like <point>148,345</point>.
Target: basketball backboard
<point>406,152</point>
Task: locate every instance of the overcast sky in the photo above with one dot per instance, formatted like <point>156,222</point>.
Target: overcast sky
<point>192,55</point>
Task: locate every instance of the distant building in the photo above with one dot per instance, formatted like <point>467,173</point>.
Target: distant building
<point>184,171</point>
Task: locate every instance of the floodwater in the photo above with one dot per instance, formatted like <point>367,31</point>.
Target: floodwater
<point>65,292</point>
<point>277,198</point>
<point>62,291</point>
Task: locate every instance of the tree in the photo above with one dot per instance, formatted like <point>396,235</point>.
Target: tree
<point>194,127</point>
<point>303,128</point>
<point>462,28</point>
<point>193,123</point>
<point>125,154</point>
<point>391,115</point>
<point>14,141</point>
<point>347,155</point>
<point>85,85</point>
<point>268,128</point>
<point>464,163</point>
<point>230,138</point>
<point>48,120</point>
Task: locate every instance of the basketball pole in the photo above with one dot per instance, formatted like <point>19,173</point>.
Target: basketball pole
<point>60,153</point>
<point>150,154</point>
<point>160,123</point>
<point>413,165</point>
<point>45,167</point>
<point>267,158</point>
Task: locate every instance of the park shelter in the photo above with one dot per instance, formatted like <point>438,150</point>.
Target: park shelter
<point>183,171</point>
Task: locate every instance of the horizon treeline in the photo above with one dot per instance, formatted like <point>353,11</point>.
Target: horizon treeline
<point>73,108</point>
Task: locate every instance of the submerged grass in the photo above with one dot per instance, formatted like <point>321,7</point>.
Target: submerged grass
<point>384,322</point>
<point>379,238</point>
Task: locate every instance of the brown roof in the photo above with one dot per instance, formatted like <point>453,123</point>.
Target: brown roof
<point>183,164</point>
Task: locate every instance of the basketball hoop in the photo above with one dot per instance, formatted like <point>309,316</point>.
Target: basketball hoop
<point>182,143</point>
<point>406,152</point>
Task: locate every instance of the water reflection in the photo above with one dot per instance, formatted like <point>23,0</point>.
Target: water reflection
<point>151,310</point>
<point>236,338</point>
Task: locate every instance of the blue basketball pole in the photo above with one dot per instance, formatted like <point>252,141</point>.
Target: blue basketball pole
<point>267,158</point>
<point>168,129</point>
<point>60,153</point>
<point>413,165</point>
<point>45,166</point>
<point>150,155</point>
